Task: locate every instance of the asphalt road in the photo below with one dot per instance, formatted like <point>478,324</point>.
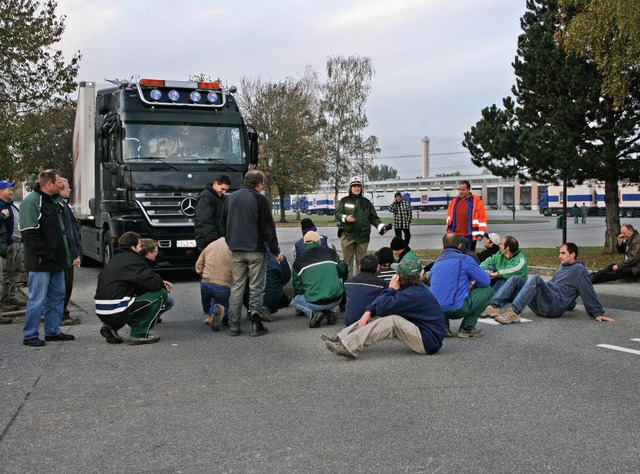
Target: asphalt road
<point>540,396</point>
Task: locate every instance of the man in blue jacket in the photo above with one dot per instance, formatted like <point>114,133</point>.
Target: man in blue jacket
<point>460,286</point>
<point>408,311</point>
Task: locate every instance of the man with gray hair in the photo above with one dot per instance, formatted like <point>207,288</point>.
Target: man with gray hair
<point>249,227</point>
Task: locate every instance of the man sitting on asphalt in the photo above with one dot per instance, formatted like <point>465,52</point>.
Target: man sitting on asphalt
<point>129,292</point>
<point>491,246</point>
<point>506,263</point>
<point>402,251</point>
<point>552,299</point>
<point>362,289</point>
<point>307,225</point>
<point>408,311</point>
<point>629,267</point>
<point>317,281</point>
<point>460,286</point>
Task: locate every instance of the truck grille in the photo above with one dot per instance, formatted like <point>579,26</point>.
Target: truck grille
<point>169,209</point>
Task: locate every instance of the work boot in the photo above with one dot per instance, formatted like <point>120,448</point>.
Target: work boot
<point>491,312</point>
<point>216,319</point>
<point>338,349</point>
<point>447,331</point>
<point>469,331</point>
<point>332,317</point>
<point>266,315</point>
<point>5,320</point>
<point>327,337</point>
<point>257,328</point>
<point>509,317</point>
<point>316,319</point>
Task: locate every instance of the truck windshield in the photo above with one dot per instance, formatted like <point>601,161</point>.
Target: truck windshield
<point>181,143</point>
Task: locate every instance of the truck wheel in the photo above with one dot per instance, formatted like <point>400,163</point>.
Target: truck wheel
<point>107,248</point>
<point>630,213</point>
<point>546,212</point>
<point>621,212</point>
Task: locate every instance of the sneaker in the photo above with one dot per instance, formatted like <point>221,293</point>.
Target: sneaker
<point>448,332</point>
<point>332,317</point>
<point>338,349</point>
<point>60,337</point>
<point>300,314</point>
<point>216,319</point>
<point>110,334</point>
<point>33,342</point>
<point>9,306</point>
<point>316,319</point>
<point>266,315</point>
<point>469,331</point>
<point>208,320</point>
<point>69,321</point>
<point>491,312</point>
<point>509,317</point>
<point>327,337</point>
<point>235,332</point>
<point>148,339</point>
<point>5,320</point>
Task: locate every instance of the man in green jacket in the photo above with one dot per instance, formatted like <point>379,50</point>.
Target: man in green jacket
<point>317,281</point>
<point>356,215</point>
<point>507,262</point>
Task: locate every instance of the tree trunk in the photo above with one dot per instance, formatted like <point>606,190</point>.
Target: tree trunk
<point>612,216</point>
<point>283,217</point>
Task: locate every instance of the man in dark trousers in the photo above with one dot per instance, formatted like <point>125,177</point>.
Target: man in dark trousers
<point>75,247</point>
<point>249,227</point>
<point>208,218</point>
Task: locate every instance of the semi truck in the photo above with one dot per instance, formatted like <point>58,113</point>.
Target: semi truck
<point>142,152</point>
<point>592,196</point>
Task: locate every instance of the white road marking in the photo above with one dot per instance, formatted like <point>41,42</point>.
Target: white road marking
<point>618,348</point>
<point>636,339</point>
<point>493,322</point>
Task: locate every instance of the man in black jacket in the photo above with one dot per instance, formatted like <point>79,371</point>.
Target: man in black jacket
<point>129,292</point>
<point>75,247</point>
<point>46,253</point>
<point>208,218</point>
<point>248,227</point>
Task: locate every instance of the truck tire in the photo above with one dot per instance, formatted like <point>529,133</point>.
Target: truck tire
<point>546,212</point>
<point>630,213</point>
<point>621,212</point>
<point>107,248</point>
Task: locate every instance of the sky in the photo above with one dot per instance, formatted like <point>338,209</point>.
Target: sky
<point>437,63</point>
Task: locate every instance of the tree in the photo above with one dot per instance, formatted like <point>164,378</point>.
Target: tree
<point>343,111</point>
<point>381,172</point>
<point>45,140</point>
<point>560,127</point>
<point>33,75</point>
<point>606,32</point>
<point>287,118</point>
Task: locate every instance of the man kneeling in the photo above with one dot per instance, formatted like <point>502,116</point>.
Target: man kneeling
<point>408,311</point>
<point>129,292</point>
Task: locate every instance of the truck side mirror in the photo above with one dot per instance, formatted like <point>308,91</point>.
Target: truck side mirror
<point>253,147</point>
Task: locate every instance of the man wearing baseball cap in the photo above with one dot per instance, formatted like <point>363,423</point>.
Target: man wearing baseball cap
<point>491,246</point>
<point>356,215</point>
<point>407,311</point>
<point>6,229</point>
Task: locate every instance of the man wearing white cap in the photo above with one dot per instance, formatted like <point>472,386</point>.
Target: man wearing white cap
<point>356,215</point>
<point>491,246</point>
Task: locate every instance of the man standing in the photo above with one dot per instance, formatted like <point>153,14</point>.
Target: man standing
<point>317,281</point>
<point>552,299</point>
<point>208,218</point>
<point>129,292</point>
<point>408,311</point>
<point>75,247</point>
<point>460,286</point>
<point>506,263</point>
<point>357,215</point>
<point>5,215</point>
<point>575,212</point>
<point>629,267</point>
<point>248,225</point>
<point>13,262</point>
<point>46,254</point>
<point>584,210</point>
<point>401,210</point>
<point>466,215</point>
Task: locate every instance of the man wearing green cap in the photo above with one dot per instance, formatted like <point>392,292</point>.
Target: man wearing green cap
<point>407,311</point>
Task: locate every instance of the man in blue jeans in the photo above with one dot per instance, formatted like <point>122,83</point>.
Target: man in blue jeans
<point>214,267</point>
<point>552,299</point>
<point>46,253</point>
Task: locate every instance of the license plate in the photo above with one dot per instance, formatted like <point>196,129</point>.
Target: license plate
<point>185,243</point>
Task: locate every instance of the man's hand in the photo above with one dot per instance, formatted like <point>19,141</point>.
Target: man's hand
<point>395,282</point>
<point>167,286</point>
<point>280,257</point>
<point>492,275</point>
<point>5,212</point>
<point>350,219</point>
<point>604,319</point>
<point>76,262</point>
<point>365,319</point>
<point>615,268</point>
